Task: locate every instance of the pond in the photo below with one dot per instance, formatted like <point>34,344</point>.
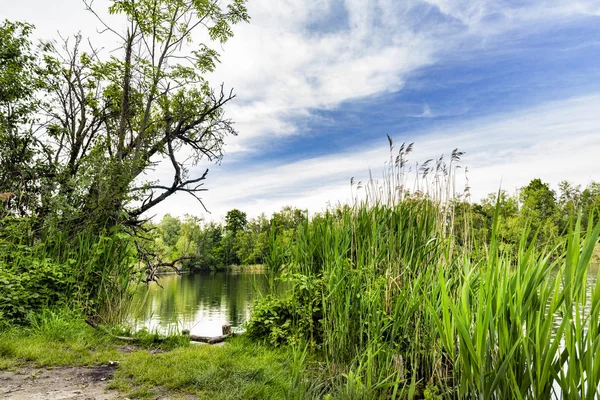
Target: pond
<point>201,302</point>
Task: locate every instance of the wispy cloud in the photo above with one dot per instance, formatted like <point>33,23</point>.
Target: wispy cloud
<point>298,56</point>
<point>554,141</point>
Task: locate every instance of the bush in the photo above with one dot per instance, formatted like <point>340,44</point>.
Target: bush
<point>30,284</point>
<point>89,271</point>
<point>280,320</point>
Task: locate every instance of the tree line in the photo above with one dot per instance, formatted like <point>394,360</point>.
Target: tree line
<point>544,212</point>
<point>237,241</point>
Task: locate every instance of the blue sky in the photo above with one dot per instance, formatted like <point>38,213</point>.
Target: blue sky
<point>320,83</point>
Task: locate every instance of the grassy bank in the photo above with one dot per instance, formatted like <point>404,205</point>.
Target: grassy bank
<point>239,370</point>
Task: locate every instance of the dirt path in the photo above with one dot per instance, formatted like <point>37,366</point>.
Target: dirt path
<point>75,383</point>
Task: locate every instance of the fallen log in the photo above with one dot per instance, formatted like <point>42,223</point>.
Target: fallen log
<point>211,339</point>
<point>194,338</point>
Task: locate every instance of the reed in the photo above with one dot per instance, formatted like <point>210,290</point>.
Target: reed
<point>104,270</point>
<point>410,312</point>
<point>94,272</point>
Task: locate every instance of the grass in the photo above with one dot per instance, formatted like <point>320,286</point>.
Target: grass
<point>238,370</point>
<point>55,338</point>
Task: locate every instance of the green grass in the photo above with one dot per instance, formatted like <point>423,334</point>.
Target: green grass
<point>55,338</point>
<point>238,370</point>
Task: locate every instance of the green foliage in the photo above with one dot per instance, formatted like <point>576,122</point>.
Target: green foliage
<point>108,120</point>
<point>170,229</point>
<point>295,318</point>
<point>538,207</point>
<point>90,272</point>
<point>238,242</point>
<point>22,76</point>
<point>235,221</point>
<point>272,320</point>
<point>32,284</point>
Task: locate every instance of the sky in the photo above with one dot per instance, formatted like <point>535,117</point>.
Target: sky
<point>515,84</point>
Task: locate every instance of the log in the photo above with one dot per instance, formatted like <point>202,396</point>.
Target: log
<point>210,339</point>
<point>202,339</point>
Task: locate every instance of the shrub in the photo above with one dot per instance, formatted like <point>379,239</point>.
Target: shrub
<point>30,284</point>
<point>279,320</point>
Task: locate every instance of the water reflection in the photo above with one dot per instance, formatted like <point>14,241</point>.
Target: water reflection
<point>590,284</point>
<point>200,302</point>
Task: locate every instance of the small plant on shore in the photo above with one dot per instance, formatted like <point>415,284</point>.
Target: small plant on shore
<point>292,318</point>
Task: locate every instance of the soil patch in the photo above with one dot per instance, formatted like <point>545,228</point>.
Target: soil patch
<point>74,383</point>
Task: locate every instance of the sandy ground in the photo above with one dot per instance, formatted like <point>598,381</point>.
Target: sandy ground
<point>74,383</point>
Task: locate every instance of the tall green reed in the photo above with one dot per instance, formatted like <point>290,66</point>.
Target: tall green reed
<point>408,310</point>
<point>104,269</point>
<point>378,261</point>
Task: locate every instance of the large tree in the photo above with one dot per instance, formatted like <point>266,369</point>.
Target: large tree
<point>539,209</point>
<point>111,118</point>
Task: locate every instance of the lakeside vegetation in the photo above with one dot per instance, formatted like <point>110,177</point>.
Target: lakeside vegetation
<point>242,242</point>
<point>401,296</point>
<point>412,291</point>
<point>238,242</point>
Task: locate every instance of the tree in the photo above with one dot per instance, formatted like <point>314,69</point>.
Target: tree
<point>170,228</point>
<point>288,218</point>
<point>538,200</point>
<point>569,193</point>
<point>568,204</point>
<point>210,251</point>
<point>538,208</point>
<point>590,202</point>
<point>235,221</point>
<point>112,120</point>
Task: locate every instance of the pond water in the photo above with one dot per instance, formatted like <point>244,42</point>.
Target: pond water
<point>201,302</point>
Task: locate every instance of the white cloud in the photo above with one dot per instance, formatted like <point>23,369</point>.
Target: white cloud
<point>282,68</point>
<point>555,141</point>
<point>297,56</point>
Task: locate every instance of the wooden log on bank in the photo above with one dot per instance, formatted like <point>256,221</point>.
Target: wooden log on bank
<point>202,339</point>
<point>211,339</point>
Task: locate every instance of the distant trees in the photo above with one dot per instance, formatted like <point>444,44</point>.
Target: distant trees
<point>536,207</point>
<point>262,240</point>
<point>238,241</point>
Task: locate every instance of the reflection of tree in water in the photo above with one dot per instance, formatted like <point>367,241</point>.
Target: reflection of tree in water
<point>199,299</point>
